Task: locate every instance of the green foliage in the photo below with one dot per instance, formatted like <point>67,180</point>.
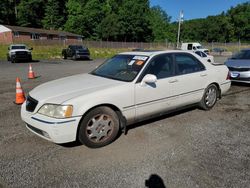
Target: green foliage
<point>226,27</point>
<point>54,15</point>
<point>7,12</point>
<point>125,20</point>
<point>84,17</point>
<point>30,13</point>
<point>160,26</point>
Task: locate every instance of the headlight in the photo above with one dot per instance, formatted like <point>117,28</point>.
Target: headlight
<point>29,53</point>
<point>12,53</point>
<point>56,111</point>
<point>77,51</point>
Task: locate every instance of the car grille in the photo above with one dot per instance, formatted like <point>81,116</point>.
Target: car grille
<point>82,53</point>
<point>31,104</point>
<point>239,69</point>
<point>21,54</point>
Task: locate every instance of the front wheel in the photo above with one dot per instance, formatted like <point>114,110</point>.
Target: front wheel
<point>99,127</point>
<point>209,98</point>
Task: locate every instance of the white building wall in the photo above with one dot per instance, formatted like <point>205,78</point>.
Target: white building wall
<point>4,29</point>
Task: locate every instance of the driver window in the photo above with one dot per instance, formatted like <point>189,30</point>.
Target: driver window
<point>161,66</point>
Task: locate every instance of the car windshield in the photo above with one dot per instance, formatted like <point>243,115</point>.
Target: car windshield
<point>77,47</point>
<point>18,47</point>
<point>121,67</point>
<point>244,54</point>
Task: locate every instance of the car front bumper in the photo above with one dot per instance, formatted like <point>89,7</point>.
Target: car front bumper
<point>82,56</point>
<point>52,129</point>
<point>237,76</point>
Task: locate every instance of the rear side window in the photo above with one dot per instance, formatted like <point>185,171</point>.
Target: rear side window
<point>186,63</point>
<point>190,46</point>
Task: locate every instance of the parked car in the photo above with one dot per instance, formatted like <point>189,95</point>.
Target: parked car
<point>193,46</point>
<point>205,56</point>
<point>219,50</point>
<point>19,52</point>
<point>129,87</point>
<point>239,66</point>
<point>76,52</point>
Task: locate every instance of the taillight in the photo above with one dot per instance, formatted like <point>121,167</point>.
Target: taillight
<point>228,76</point>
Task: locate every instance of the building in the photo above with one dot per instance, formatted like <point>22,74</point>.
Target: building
<point>16,34</point>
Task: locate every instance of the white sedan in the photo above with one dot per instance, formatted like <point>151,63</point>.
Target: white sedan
<point>130,87</point>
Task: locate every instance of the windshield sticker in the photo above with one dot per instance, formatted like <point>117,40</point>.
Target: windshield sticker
<point>131,62</point>
<point>143,58</point>
<point>139,63</point>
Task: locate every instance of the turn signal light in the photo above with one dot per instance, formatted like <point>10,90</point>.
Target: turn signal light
<point>228,75</point>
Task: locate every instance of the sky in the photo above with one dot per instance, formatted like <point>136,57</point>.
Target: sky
<point>195,8</point>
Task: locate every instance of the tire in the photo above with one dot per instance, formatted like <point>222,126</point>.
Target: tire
<point>8,58</point>
<point>99,127</point>
<point>64,56</point>
<point>209,98</point>
<point>13,60</point>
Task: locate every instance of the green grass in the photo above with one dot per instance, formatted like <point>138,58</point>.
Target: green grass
<point>54,52</point>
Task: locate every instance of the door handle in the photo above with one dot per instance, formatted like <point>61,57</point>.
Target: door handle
<point>173,81</point>
<point>203,74</point>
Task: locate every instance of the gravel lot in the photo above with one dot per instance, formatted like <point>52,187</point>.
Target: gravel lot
<point>191,148</point>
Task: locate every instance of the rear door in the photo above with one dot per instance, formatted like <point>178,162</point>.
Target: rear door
<point>191,78</point>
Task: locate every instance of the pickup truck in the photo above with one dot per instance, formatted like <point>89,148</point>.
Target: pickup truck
<point>76,52</point>
<point>19,52</point>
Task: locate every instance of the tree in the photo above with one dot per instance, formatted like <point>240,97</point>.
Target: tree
<point>30,13</point>
<point>160,25</point>
<point>54,14</point>
<point>7,12</point>
<point>134,21</point>
<point>84,17</point>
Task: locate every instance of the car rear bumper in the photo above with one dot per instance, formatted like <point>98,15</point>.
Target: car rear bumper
<point>224,87</point>
<point>52,129</point>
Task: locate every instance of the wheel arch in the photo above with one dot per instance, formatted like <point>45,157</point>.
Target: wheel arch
<point>218,87</point>
<point>122,118</point>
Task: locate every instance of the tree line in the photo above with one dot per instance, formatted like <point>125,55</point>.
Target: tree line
<point>125,20</point>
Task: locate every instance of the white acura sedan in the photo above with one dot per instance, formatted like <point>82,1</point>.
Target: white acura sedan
<point>130,87</point>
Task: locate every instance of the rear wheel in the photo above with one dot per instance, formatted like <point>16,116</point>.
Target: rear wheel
<point>99,127</point>
<point>209,98</point>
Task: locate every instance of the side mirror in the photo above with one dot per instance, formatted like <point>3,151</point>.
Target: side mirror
<point>8,48</point>
<point>31,49</point>
<point>209,60</point>
<point>149,79</point>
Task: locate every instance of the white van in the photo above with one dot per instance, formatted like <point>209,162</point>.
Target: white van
<point>193,46</point>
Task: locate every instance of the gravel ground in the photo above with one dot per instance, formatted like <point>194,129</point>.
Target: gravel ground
<point>191,148</point>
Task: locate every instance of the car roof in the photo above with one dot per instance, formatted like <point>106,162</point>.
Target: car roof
<point>17,45</point>
<point>246,49</point>
<point>152,53</point>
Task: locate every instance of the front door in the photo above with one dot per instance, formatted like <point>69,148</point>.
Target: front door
<point>151,99</point>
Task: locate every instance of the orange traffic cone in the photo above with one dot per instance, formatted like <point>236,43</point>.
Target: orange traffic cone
<point>20,97</point>
<point>31,74</point>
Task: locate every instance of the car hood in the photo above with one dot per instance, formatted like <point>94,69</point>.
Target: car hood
<point>61,90</point>
<point>20,50</point>
<point>239,63</point>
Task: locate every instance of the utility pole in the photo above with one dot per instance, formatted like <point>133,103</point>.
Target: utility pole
<point>179,28</point>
